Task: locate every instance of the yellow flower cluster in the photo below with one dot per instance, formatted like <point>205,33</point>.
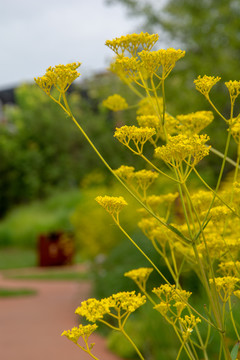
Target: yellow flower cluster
<point>151,121</point>
<point>201,200</point>
<point>156,233</point>
<point>233,88</point>
<point>81,331</point>
<point>225,286</point>
<point>138,135</point>
<point>132,43</point>
<point>181,147</point>
<point>112,204</point>
<point>230,268</point>
<point>145,178</point>
<point>94,310</point>
<point>125,172</point>
<point>166,59</point>
<point>171,298</point>
<point>59,76</point>
<point>115,103</point>
<point>188,323</point>
<point>128,66</point>
<point>128,301</point>
<point>141,179</point>
<point>235,130</point>
<point>140,276</point>
<point>155,200</point>
<point>155,122</point>
<point>147,106</point>
<point>205,83</point>
<point>195,122</point>
<point>219,213</point>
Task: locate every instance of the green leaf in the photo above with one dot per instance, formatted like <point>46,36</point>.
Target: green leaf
<point>234,351</point>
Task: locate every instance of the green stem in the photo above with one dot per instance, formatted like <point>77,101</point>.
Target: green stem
<point>232,318</point>
<point>131,342</point>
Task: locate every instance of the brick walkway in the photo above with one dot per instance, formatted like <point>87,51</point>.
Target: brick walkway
<point>30,327</point>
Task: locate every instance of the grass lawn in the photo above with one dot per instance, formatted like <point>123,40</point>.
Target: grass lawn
<point>50,275</point>
<point>5,292</point>
<point>15,258</point>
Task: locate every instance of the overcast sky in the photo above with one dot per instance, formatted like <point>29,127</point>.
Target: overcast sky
<point>36,34</point>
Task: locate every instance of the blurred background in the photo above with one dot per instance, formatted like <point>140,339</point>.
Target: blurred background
<point>49,176</point>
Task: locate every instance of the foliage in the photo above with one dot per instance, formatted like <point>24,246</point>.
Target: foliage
<point>22,226</point>
<point>35,145</point>
<point>104,235</point>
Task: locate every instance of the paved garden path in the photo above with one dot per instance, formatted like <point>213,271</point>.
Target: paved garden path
<point>30,326</point>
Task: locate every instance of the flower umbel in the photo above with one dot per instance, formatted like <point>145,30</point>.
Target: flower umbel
<point>138,135</point>
<point>132,43</point>
<point>180,147</point>
<point>140,276</point>
<point>166,59</point>
<point>112,204</point>
<point>59,76</point>
<point>205,83</point>
<point>115,103</point>
<point>81,331</point>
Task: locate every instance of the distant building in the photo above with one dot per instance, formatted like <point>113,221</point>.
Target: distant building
<point>7,96</point>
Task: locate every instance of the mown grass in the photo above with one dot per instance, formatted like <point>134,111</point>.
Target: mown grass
<point>15,258</point>
<point>51,275</point>
<point>5,292</point>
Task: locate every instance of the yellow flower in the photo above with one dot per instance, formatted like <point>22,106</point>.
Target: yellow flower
<point>154,121</point>
<point>163,308</point>
<point>201,200</point>
<point>230,268</point>
<point>128,301</point>
<point>75,333</point>
<point>145,178</point>
<point>233,88</point>
<point>151,121</point>
<point>94,310</point>
<point>138,135</point>
<point>140,276</point>
<point>188,323</point>
<point>129,67</point>
<point>168,293</point>
<point>132,43</point>
<point>112,204</point>
<point>235,130</point>
<point>115,103</point>
<point>166,59</point>
<point>125,172</point>
<point>148,106</point>
<point>205,83</point>
<point>180,147</point>
<point>195,122</point>
<point>60,76</point>
<point>171,298</point>
<point>155,200</point>
<point>45,83</point>
<point>225,286</point>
